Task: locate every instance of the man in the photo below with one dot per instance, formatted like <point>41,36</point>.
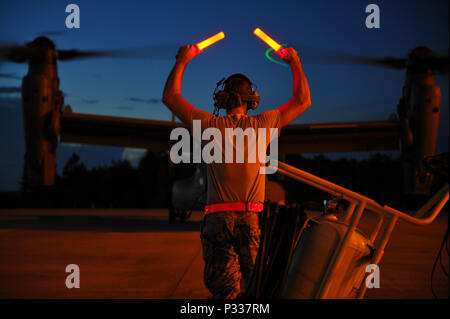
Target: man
<point>230,229</point>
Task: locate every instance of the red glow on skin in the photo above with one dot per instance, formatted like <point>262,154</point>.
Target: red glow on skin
<point>282,52</point>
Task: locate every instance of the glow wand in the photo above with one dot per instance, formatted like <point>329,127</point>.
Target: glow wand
<point>270,42</point>
<point>201,45</point>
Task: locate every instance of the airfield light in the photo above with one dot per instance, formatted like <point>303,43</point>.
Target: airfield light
<point>219,36</point>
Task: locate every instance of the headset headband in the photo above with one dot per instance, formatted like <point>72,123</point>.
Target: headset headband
<point>239,76</point>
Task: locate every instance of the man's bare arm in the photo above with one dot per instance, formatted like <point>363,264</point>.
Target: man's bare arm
<point>301,98</point>
<point>172,91</point>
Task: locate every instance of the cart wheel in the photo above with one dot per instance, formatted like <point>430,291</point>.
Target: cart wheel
<point>172,215</point>
<point>183,216</point>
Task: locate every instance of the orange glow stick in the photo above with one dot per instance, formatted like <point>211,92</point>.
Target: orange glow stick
<point>219,36</point>
<point>275,46</point>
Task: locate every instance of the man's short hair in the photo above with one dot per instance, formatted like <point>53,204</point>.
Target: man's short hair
<point>238,85</point>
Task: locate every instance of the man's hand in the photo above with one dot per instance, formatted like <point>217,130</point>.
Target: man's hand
<point>289,55</point>
<point>301,98</point>
<point>172,91</point>
<point>187,53</point>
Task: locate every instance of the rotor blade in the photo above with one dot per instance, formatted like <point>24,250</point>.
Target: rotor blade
<point>154,52</point>
<point>438,63</point>
<point>10,76</point>
<point>316,55</point>
<point>67,55</point>
<point>53,33</point>
<point>15,53</point>
<point>20,53</point>
<point>387,62</point>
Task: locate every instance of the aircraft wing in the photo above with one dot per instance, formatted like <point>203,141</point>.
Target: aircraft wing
<point>340,137</point>
<point>296,138</point>
<point>116,131</point>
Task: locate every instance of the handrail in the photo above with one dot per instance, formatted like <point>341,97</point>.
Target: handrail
<point>352,217</point>
<point>438,200</point>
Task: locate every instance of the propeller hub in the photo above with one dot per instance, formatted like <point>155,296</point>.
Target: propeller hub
<point>41,42</point>
<point>423,60</point>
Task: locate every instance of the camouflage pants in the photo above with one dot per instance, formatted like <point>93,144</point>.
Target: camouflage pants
<point>230,243</point>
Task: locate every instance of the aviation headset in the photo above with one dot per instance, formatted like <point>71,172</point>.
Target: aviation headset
<point>223,97</point>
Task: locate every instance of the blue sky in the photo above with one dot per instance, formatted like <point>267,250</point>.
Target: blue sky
<point>127,87</point>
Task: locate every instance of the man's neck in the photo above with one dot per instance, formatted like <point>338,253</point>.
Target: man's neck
<point>237,110</point>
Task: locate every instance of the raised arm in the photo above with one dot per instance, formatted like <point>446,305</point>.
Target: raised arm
<point>301,98</point>
<point>172,91</point>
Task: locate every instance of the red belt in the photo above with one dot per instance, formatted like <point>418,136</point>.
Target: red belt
<point>242,207</point>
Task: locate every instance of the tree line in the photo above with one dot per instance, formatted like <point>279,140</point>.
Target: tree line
<point>120,185</point>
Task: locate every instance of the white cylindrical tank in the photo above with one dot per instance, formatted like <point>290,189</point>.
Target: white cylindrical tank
<point>313,256</point>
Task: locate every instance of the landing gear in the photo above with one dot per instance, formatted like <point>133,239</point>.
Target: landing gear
<point>172,215</point>
<point>183,214</point>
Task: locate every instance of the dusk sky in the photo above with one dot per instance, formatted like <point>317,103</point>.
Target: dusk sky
<point>132,87</point>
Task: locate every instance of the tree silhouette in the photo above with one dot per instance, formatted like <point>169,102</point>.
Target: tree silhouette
<point>120,185</point>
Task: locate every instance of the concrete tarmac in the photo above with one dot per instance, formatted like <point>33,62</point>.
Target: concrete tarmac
<point>138,254</point>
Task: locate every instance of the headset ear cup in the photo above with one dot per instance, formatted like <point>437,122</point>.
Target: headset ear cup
<point>255,103</point>
<point>221,99</point>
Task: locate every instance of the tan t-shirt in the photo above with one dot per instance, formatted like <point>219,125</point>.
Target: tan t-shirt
<point>237,182</point>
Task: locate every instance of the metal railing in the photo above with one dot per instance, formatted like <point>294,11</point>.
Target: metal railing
<point>358,204</point>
